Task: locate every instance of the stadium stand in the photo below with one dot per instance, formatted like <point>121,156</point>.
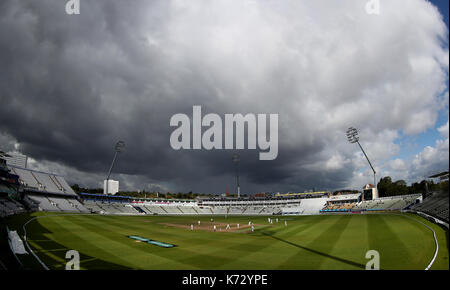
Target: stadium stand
<point>40,191</point>
<point>203,210</point>
<point>436,205</point>
<point>9,189</point>
<point>388,203</point>
<point>33,180</point>
<point>31,204</point>
<point>10,207</point>
<point>267,206</point>
<point>49,192</point>
<point>155,209</point>
<point>44,204</point>
<point>339,207</point>
<point>188,210</point>
<point>220,210</point>
<point>58,204</point>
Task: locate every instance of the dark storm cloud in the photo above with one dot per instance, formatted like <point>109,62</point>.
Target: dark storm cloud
<point>71,86</point>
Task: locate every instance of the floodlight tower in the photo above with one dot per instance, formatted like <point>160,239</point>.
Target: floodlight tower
<point>236,159</point>
<point>352,136</point>
<point>120,146</point>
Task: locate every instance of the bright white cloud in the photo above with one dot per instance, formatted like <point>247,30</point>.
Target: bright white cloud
<point>443,130</point>
<point>429,161</point>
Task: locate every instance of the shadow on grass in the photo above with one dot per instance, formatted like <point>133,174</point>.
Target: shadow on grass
<point>53,254</point>
<point>270,234</point>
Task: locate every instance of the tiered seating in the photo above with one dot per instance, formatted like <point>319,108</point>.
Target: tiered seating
<point>40,181</point>
<point>93,207</point>
<point>147,210</point>
<point>369,204</point>
<point>43,203</point>
<point>10,207</point>
<point>128,209</point>
<point>435,205</point>
<point>187,210</point>
<point>111,208</point>
<point>47,183</point>
<point>253,210</point>
<point>340,207</point>
<point>65,186</point>
<point>68,204</point>
<point>97,207</point>
<point>155,209</point>
<point>264,211</point>
<point>62,204</point>
<point>389,203</point>
<point>32,204</point>
<point>235,210</point>
<point>143,209</point>
<point>78,205</point>
<point>220,210</point>
<point>172,209</point>
<point>277,210</point>
<point>27,178</point>
<point>204,210</point>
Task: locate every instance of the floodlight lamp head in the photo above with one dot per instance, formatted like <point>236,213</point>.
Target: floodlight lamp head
<point>352,135</point>
<point>120,146</point>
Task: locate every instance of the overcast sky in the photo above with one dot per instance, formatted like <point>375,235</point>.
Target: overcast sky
<point>73,85</point>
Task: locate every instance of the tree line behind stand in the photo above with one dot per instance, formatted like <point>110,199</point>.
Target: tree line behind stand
<point>140,194</point>
<point>386,187</point>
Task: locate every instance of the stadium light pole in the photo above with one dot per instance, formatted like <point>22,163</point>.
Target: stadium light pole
<point>120,146</point>
<point>352,136</point>
<point>236,159</point>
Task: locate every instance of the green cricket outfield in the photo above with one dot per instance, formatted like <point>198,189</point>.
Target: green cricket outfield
<point>318,242</point>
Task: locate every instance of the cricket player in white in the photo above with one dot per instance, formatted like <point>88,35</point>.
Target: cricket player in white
<point>228,226</point>
<point>192,227</point>
<point>215,228</point>
<point>253,228</point>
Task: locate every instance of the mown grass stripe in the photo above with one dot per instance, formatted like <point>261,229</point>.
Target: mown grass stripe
<point>129,251</point>
<point>317,251</point>
<point>309,242</point>
<point>83,242</point>
<point>350,244</point>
